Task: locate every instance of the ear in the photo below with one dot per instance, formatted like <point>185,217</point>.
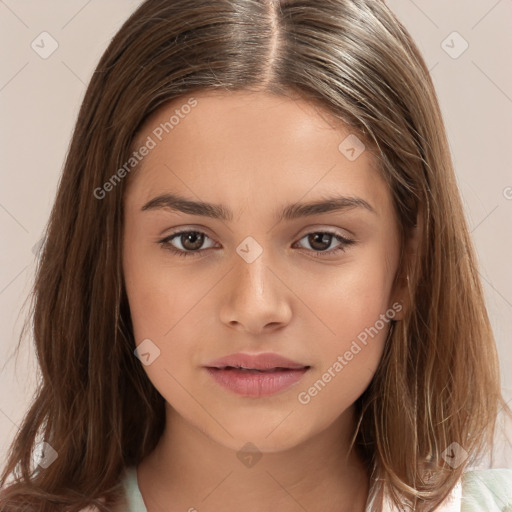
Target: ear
<point>404,285</point>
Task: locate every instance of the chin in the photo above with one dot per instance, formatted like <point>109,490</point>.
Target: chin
<point>264,436</point>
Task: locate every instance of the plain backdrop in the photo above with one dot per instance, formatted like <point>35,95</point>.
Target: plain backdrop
<point>467,47</point>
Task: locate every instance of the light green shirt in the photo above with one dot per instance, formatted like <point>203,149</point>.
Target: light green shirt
<point>483,490</point>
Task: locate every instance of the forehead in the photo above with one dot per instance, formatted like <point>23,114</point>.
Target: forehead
<point>244,119</point>
<point>234,147</point>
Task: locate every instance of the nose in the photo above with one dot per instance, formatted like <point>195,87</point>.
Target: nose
<point>256,298</point>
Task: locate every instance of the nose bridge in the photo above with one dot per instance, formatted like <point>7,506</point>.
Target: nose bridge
<point>253,274</point>
<point>255,297</point>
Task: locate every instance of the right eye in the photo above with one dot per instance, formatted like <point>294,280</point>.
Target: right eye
<point>190,241</point>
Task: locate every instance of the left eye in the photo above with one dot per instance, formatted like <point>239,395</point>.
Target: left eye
<point>322,239</point>
<point>192,241</point>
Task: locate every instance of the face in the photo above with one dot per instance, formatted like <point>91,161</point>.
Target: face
<point>250,274</point>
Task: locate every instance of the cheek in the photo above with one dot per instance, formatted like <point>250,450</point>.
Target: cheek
<point>353,304</point>
<point>157,293</point>
<point>350,298</point>
<point>147,300</point>
<point>349,353</point>
<point>167,307</point>
<point>159,301</point>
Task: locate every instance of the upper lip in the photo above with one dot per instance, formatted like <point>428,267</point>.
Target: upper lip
<point>265,361</point>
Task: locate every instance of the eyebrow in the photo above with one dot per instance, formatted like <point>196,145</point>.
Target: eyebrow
<point>289,212</point>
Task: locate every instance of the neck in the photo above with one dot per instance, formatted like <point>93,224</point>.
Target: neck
<point>191,471</point>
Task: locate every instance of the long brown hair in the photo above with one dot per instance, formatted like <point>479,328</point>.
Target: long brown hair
<point>438,381</point>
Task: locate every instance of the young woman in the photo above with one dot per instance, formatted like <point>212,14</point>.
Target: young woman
<point>258,290</point>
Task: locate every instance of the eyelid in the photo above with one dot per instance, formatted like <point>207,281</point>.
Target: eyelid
<point>315,228</point>
<point>322,228</point>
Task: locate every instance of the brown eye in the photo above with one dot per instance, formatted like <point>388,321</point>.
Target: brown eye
<point>192,240</point>
<point>185,243</point>
<point>320,241</point>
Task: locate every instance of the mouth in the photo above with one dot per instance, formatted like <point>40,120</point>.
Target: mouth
<point>256,375</point>
<point>256,382</point>
<point>242,369</point>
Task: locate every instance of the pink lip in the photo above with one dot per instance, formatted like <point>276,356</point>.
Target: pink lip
<point>265,374</point>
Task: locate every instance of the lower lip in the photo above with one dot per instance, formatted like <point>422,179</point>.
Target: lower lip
<point>256,384</point>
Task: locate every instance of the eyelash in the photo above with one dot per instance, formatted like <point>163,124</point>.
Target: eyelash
<point>166,244</point>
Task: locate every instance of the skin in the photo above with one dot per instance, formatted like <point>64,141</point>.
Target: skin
<point>254,152</point>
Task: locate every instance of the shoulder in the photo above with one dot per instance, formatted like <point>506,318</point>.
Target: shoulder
<point>488,490</point>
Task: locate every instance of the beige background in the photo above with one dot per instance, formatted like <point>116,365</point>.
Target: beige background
<point>40,98</point>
